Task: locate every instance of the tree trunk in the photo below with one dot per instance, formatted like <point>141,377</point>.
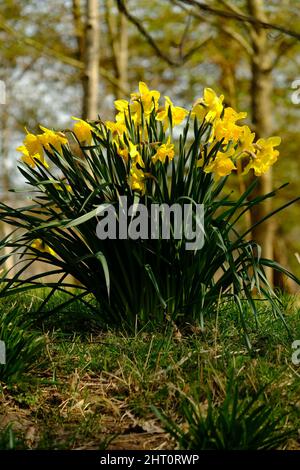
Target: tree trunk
<point>91,61</point>
<point>4,149</point>
<point>123,56</point>
<point>78,29</point>
<point>118,37</point>
<point>261,105</point>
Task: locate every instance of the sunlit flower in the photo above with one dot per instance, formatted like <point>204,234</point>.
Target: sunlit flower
<point>226,127</point>
<point>33,144</point>
<point>121,105</point>
<point>222,165</point>
<point>178,114</point>
<point>60,186</point>
<point>31,159</point>
<point>246,140</point>
<point>137,179</point>
<point>32,150</point>
<point>83,131</point>
<point>117,129</point>
<point>51,138</point>
<point>265,155</point>
<point>148,99</point>
<point>164,151</point>
<point>135,155</point>
<point>209,107</point>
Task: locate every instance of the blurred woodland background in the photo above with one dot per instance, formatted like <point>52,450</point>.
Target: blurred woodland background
<point>75,57</point>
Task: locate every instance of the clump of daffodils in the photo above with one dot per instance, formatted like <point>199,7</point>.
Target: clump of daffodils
<point>152,153</point>
<point>142,136</point>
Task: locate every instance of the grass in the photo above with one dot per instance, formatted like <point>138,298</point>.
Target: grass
<point>98,389</point>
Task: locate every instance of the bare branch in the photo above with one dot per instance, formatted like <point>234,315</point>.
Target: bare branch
<point>172,62</point>
<point>284,46</point>
<point>184,36</point>
<point>240,17</point>
<point>49,52</point>
<point>230,6</point>
<point>137,23</point>
<point>226,29</point>
<point>194,49</point>
<point>238,38</point>
<point>235,9</point>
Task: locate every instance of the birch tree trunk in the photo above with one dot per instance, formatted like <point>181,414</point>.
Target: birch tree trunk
<point>123,56</point>
<point>91,61</point>
<point>261,106</point>
<point>118,37</point>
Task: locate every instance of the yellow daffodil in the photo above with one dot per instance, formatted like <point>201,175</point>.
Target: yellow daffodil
<point>122,148</point>
<point>117,129</point>
<point>265,155</point>
<point>41,246</point>
<point>164,151</point>
<point>246,140</point>
<point>148,98</point>
<point>30,159</point>
<point>222,165</point>
<point>178,114</point>
<point>226,127</point>
<point>83,131</point>
<point>209,107</point>
<point>137,179</point>
<point>51,138</point>
<point>32,150</point>
<point>121,105</point>
<point>123,152</point>
<point>135,155</point>
<point>33,144</point>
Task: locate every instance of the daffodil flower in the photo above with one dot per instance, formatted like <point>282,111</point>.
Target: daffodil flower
<point>178,114</point>
<point>31,150</point>
<point>135,155</point>
<point>117,129</point>
<point>30,160</point>
<point>147,98</point>
<point>83,131</point>
<point>41,246</point>
<point>51,138</point>
<point>264,157</point>
<point>226,127</point>
<point>164,151</point>
<point>209,107</point>
<point>246,140</point>
<point>222,165</point>
<point>137,179</point>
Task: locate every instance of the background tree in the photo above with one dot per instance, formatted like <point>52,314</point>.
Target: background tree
<point>91,60</point>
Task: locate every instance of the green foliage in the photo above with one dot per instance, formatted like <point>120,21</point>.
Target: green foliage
<point>9,439</point>
<point>23,346</point>
<point>236,424</point>
<point>73,399</point>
